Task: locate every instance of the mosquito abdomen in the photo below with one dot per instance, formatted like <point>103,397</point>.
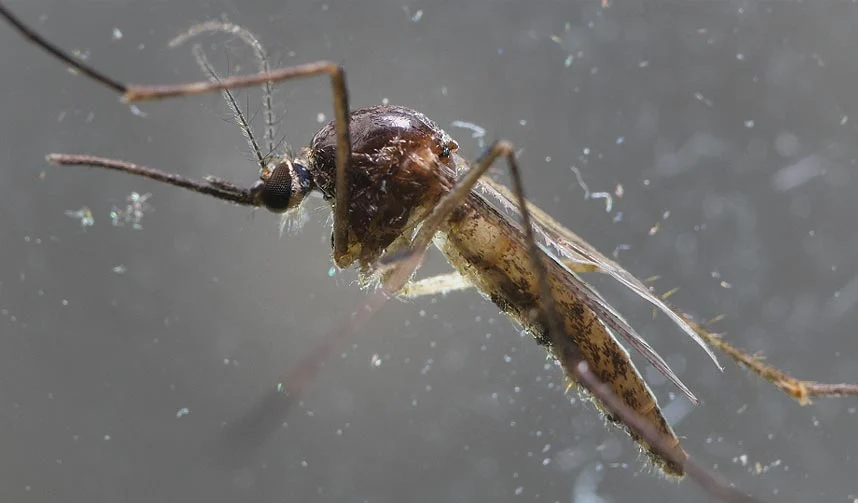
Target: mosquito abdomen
<point>493,256</point>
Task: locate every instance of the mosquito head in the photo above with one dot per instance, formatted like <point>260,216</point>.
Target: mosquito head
<point>282,186</point>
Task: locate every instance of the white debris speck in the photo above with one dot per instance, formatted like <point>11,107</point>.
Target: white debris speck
<point>120,269</point>
<point>184,411</point>
<point>581,183</point>
<point>702,99</point>
<point>749,124</point>
<point>83,55</point>
<point>117,34</point>
<point>819,61</point>
<point>320,118</point>
<point>609,201</point>
<point>417,16</point>
<point>135,209</point>
<point>619,248</point>
<point>654,229</point>
<point>84,215</point>
<point>477,132</point>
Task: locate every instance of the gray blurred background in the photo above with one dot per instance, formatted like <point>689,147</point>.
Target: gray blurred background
<point>126,355</point>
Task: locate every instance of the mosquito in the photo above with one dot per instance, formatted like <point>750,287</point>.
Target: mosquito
<point>396,185</point>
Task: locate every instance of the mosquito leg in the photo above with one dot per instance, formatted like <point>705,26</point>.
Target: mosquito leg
<point>135,93</point>
<point>58,53</point>
<point>440,284</point>
<point>799,389</point>
<point>214,187</point>
<point>250,431</point>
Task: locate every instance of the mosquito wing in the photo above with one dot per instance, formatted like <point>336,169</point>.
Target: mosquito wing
<point>573,252</point>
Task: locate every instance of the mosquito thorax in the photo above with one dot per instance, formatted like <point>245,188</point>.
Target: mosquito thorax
<point>282,186</point>
<point>401,164</point>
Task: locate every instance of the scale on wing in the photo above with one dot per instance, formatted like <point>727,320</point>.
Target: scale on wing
<point>564,246</point>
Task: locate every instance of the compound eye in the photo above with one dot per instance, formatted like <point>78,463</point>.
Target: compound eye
<point>277,190</point>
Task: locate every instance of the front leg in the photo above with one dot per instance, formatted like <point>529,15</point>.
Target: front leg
<point>434,285</point>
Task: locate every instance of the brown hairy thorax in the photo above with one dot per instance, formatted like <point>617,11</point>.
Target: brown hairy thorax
<point>402,163</point>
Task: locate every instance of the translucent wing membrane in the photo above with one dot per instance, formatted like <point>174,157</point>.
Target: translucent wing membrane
<point>573,252</point>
